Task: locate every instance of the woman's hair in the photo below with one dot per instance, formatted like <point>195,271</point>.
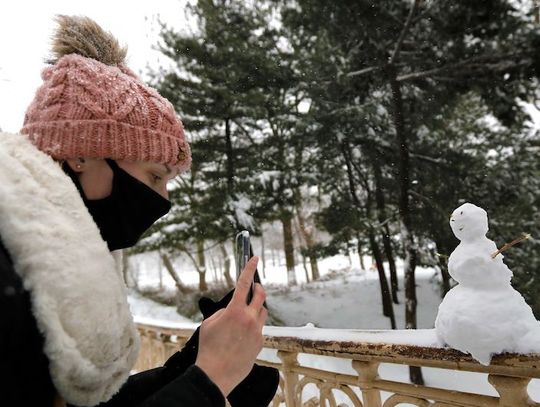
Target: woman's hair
<point>92,105</point>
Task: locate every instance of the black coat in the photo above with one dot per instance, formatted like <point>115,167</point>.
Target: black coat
<point>24,368</point>
<point>26,381</point>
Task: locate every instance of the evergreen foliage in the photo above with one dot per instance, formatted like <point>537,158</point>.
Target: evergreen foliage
<point>291,109</point>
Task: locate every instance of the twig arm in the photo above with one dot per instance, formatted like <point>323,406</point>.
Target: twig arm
<point>514,242</point>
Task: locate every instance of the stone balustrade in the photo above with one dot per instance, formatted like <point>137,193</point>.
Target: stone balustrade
<point>363,352</point>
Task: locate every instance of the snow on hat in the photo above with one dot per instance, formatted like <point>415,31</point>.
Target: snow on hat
<point>92,105</point>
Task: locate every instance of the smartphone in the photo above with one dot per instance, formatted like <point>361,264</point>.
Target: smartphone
<point>243,254</point>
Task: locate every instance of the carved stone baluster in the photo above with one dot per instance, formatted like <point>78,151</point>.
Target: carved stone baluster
<point>368,372</point>
<point>170,347</point>
<point>289,361</point>
<point>144,357</point>
<point>155,349</point>
<point>512,390</point>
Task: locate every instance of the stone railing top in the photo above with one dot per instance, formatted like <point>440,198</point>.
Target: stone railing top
<point>415,337</point>
<point>405,347</point>
<point>164,324</point>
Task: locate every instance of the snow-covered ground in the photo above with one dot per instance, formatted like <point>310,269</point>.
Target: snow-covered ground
<point>142,307</point>
<point>347,297</point>
<point>350,299</point>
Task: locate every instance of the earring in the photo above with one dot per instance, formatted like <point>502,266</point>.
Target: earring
<point>79,166</point>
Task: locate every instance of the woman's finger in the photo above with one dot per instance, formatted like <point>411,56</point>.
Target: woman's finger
<point>259,296</point>
<point>263,315</point>
<point>244,282</point>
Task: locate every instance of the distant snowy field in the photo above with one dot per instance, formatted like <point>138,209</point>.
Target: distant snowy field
<point>347,297</point>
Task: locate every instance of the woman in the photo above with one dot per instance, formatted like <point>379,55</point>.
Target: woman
<point>88,175</point>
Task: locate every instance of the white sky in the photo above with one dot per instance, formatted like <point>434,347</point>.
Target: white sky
<point>26,27</point>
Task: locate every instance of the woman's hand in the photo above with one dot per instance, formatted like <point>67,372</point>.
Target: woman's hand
<point>231,339</point>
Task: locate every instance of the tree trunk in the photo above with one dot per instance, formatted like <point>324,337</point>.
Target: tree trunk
<point>220,268</point>
<point>160,274</point>
<point>315,275</point>
<point>407,236</point>
<point>202,266</point>
<point>304,264</point>
<point>214,270</point>
<point>172,272</point>
<point>310,243</point>
<point>381,216</point>
<point>391,264</point>
<point>360,254</point>
<point>227,267</point>
<point>229,152</point>
<point>445,275</point>
<point>388,309</point>
<point>286,220</point>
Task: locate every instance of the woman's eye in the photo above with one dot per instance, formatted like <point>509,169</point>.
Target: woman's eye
<point>156,178</point>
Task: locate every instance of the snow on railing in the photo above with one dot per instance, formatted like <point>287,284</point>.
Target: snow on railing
<point>351,376</point>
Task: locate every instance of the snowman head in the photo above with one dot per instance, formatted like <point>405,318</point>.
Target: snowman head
<point>469,222</point>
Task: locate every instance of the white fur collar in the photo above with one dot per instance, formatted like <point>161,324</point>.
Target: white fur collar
<point>78,296</point>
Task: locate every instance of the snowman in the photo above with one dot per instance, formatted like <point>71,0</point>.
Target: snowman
<point>483,315</point>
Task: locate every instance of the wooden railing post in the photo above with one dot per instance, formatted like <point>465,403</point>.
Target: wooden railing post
<point>512,390</point>
<point>290,379</point>
<point>368,372</point>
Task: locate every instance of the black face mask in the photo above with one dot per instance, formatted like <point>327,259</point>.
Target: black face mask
<point>130,209</point>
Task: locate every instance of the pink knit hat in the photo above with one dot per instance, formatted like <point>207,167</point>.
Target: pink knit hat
<point>86,108</point>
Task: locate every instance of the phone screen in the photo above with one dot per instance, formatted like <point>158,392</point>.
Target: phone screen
<point>242,256</point>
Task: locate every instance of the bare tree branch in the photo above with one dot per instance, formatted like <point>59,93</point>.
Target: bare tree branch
<point>193,260</point>
<point>430,202</point>
<point>399,42</point>
<point>387,220</point>
<point>367,70</point>
<point>363,71</point>
<point>244,130</point>
<point>172,272</point>
<point>479,64</point>
<point>428,159</point>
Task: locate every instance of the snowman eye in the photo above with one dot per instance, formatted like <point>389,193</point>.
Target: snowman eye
<point>461,212</point>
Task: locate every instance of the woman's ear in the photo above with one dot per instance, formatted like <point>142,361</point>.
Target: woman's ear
<point>94,175</point>
<point>76,164</point>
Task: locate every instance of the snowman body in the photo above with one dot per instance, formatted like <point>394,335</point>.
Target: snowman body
<point>483,315</point>
<point>471,264</point>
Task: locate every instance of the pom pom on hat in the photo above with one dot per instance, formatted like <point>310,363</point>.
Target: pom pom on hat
<point>83,36</point>
<point>92,105</point>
